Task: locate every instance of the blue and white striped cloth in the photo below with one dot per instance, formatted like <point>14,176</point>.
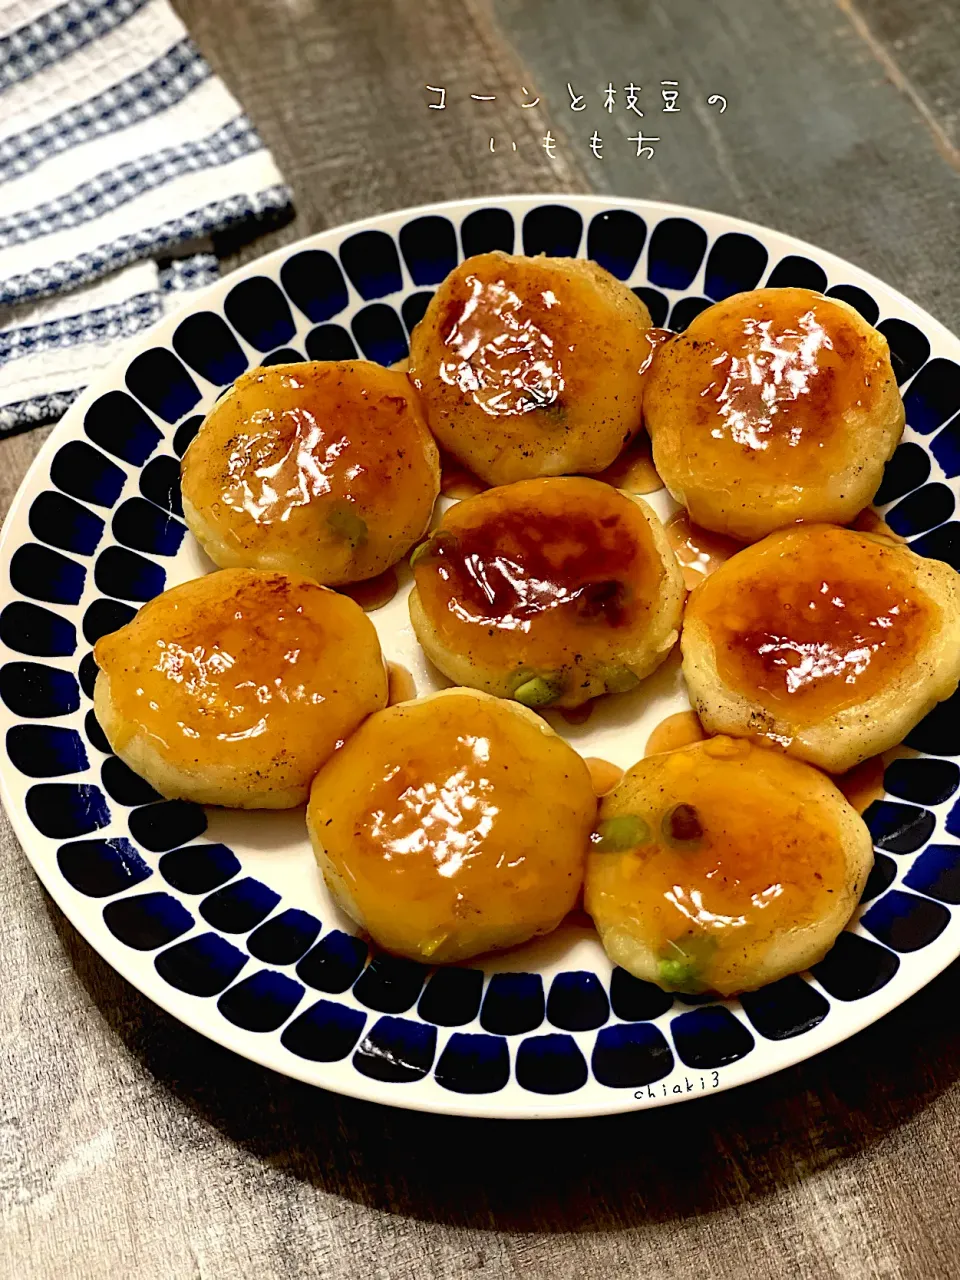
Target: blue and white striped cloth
<point>120,153</point>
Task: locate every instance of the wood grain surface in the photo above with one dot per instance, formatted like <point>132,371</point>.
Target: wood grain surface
<point>129,1146</point>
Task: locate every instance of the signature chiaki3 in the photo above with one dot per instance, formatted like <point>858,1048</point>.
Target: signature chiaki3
<point>663,1089</point>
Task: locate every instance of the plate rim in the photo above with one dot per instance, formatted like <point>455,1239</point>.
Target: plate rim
<point>785,1053</point>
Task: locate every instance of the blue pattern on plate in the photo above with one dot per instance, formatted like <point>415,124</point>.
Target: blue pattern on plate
<point>118,424</point>
<point>379,333</point>
<point>101,868</point>
<point>125,786</point>
<point>46,751</point>
<point>124,573</point>
<point>139,430</point>
<point>371,261</point>
<point>64,523</point>
<point>262,1002</point>
<point>330,342</point>
<point>859,299</point>
<point>165,825</point>
<point>84,472</point>
<point>87,673</point>
<point>676,250</point>
<point>429,248</point>
<point>161,382</point>
<point>413,309</point>
<point>785,1009</point>
<point>485,230</point>
<point>142,526</point>
<point>905,921</point>
<point>550,1064</point>
<point>855,967</point>
<point>945,447</point>
<point>577,1002</point>
<point>933,396</point>
<point>657,303</point>
<point>615,240</point>
<point>796,272</point>
<point>335,962</point>
<point>922,781</point>
<point>553,229</point>
<point>326,1032</point>
<point>921,510</point>
<point>736,262</point>
<point>634,1000</point>
<point>199,868</point>
<point>206,343</point>
<point>686,310</point>
<point>709,1038</point>
<point>390,984</point>
<point>907,470</point>
<point>882,875</point>
<point>258,311</point>
<point>283,355</point>
<point>513,1004</point>
<point>95,736</point>
<point>899,828</point>
<point>43,574</point>
<point>239,906</point>
<point>201,966</point>
<point>909,348</point>
<point>631,1055</point>
<point>473,1063</point>
<point>38,692</point>
<point>147,921</point>
<point>29,628</point>
<point>397,1050</point>
<point>160,483</point>
<point>452,997</point>
<point>285,938</point>
<point>185,434</point>
<point>936,873</point>
<point>314,283</point>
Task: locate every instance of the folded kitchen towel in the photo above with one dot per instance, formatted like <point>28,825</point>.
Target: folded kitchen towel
<point>120,154</point>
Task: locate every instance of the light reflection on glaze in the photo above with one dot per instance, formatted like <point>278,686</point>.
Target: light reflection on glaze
<point>239,664</point>
<point>447,819</point>
<point>813,619</point>
<point>499,355</point>
<point>775,368</point>
<point>455,824</point>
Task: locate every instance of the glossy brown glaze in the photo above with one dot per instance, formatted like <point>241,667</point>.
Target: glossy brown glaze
<point>531,366</point>
<point>699,551</point>
<point>243,671</point>
<point>814,620</point>
<point>324,468</point>
<point>454,824</point>
<point>679,730</point>
<point>553,563</point>
<point>773,406</point>
<point>703,884</point>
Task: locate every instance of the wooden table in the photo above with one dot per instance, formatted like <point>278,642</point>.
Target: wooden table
<point>130,1147</point>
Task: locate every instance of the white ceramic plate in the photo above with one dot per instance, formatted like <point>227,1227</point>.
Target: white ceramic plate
<point>237,937</point>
